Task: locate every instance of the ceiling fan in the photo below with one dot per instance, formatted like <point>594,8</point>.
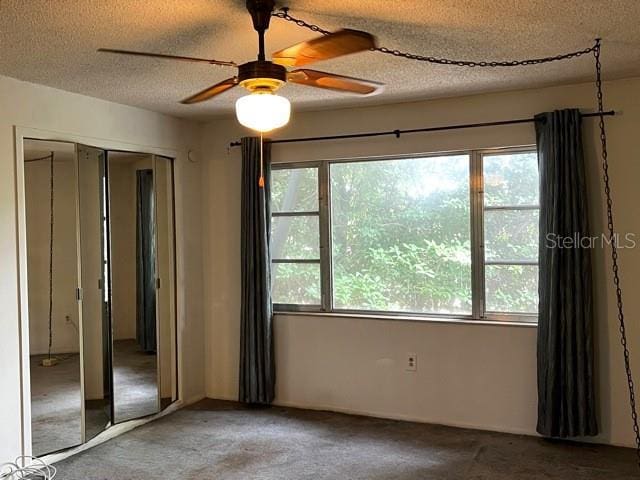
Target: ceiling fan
<point>262,110</point>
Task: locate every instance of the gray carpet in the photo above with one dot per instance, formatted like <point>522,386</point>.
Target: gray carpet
<point>135,381</point>
<point>222,440</point>
<point>56,404</point>
<point>56,400</point>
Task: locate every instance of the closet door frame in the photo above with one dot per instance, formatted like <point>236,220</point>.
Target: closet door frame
<point>20,135</point>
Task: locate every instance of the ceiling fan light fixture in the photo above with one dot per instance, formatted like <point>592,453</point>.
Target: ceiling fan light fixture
<point>263,111</point>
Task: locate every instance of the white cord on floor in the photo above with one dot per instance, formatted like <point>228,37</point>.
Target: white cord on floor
<point>36,469</point>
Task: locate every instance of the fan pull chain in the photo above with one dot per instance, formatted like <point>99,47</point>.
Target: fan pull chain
<point>261,179</point>
<point>614,251</point>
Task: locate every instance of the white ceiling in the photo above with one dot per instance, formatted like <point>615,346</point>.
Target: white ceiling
<point>54,43</point>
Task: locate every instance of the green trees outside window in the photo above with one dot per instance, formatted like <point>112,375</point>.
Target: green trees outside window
<point>399,234</point>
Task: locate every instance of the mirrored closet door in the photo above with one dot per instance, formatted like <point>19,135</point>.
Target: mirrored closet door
<point>53,279</point>
<point>165,271</point>
<point>95,293</point>
<point>101,289</point>
<point>133,285</point>
<point>143,284</point>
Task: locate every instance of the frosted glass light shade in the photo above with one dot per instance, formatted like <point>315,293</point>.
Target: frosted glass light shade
<point>263,111</point>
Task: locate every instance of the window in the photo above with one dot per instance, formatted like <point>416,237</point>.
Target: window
<point>295,238</point>
<point>511,211</point>
<point>446,235</point>
<point>400,235</point>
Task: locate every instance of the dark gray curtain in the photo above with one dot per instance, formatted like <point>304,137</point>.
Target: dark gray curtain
<point>257,366</point>
<point>145,262</point>
<point>566,400</point>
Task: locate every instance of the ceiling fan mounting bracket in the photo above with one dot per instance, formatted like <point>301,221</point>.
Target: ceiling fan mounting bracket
<point>261,11</point>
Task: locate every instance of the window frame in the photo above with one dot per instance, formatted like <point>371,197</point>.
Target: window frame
<point>321,221</point>
<point>476,229</point>
<point>479,261</point>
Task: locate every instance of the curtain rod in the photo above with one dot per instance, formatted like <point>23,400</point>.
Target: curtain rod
<point>397,133</point>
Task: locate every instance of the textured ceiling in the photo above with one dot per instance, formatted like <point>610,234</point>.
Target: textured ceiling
<point>53,42</point>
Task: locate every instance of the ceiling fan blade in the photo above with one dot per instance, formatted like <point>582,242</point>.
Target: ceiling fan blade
<point>336,44</point>
<point>168,57</point>
<point>210,92</point>
<point>331,81</point>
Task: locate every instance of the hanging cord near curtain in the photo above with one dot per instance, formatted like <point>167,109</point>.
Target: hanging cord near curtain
<point>51,219</point>
<point>614,250</point>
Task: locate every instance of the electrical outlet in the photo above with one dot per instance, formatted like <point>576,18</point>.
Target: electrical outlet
<point>412,362</point>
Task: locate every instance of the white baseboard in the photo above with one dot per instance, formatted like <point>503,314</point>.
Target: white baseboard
<point>404,418</point>
<point>193,399</point>
<point>226,398</point>
<point>410,418</point>
<point>385,415</point>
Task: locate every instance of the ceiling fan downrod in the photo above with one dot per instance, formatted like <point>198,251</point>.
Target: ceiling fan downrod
<point>260,11</point>
<point>261,74</point>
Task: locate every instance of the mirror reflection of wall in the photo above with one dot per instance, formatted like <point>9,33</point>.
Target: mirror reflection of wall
<point>133,285</point>
<point>52,279</point>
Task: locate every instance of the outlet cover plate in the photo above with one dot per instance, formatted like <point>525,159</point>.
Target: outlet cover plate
<point>411,364</point>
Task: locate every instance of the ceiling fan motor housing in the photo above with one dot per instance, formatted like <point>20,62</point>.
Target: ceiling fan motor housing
<point>261,75</point>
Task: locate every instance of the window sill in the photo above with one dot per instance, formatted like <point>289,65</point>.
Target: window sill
<point>407,318</point>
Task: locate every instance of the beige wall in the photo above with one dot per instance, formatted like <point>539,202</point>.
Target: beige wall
<point>43,111</point>
<point>472,375</point>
